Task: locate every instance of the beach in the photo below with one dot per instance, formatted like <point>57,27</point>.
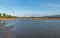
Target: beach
<point>8,18</point>
<point>39,18</point>
<point>28,18</point>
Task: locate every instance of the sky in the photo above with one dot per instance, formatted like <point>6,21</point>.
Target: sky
<point>30,7</point>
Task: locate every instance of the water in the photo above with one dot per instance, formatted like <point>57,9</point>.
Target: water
<point>35,28</point>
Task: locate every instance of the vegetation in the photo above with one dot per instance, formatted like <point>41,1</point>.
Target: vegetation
<point>3,15</point>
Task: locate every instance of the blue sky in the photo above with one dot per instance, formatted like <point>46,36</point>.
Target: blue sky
<point>30,7</point>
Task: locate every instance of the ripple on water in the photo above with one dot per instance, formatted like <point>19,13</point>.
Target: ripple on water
<point>35,28</point>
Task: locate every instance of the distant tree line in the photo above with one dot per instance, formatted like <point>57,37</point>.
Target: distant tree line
<point>7,15</point>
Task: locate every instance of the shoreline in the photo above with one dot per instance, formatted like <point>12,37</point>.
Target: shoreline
<point>27,18</point>
<point>8,18</point>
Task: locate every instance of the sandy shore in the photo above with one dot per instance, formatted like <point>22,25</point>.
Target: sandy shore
<point>25,18</point>
<point>41,18</point>
<point>8,18</point>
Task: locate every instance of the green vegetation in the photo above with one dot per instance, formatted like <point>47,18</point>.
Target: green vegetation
<point>3,15</point>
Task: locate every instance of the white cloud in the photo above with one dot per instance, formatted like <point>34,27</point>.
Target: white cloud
<point>50,4</point>
<point>54,5</point>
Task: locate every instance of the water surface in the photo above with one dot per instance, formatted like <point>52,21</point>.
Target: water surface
<point>35,28</point>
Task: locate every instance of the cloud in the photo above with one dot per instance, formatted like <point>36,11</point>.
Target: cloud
<point>50,5</point>
<point>53,5</point>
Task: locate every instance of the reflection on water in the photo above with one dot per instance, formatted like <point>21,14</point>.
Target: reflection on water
<point>35,28</point>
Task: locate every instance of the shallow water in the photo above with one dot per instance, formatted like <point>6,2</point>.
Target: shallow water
<point>35,28</point>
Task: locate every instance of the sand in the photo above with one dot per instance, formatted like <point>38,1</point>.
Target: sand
<point>8,18</point>
<point>41,18</point>
<point>27,18</point>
